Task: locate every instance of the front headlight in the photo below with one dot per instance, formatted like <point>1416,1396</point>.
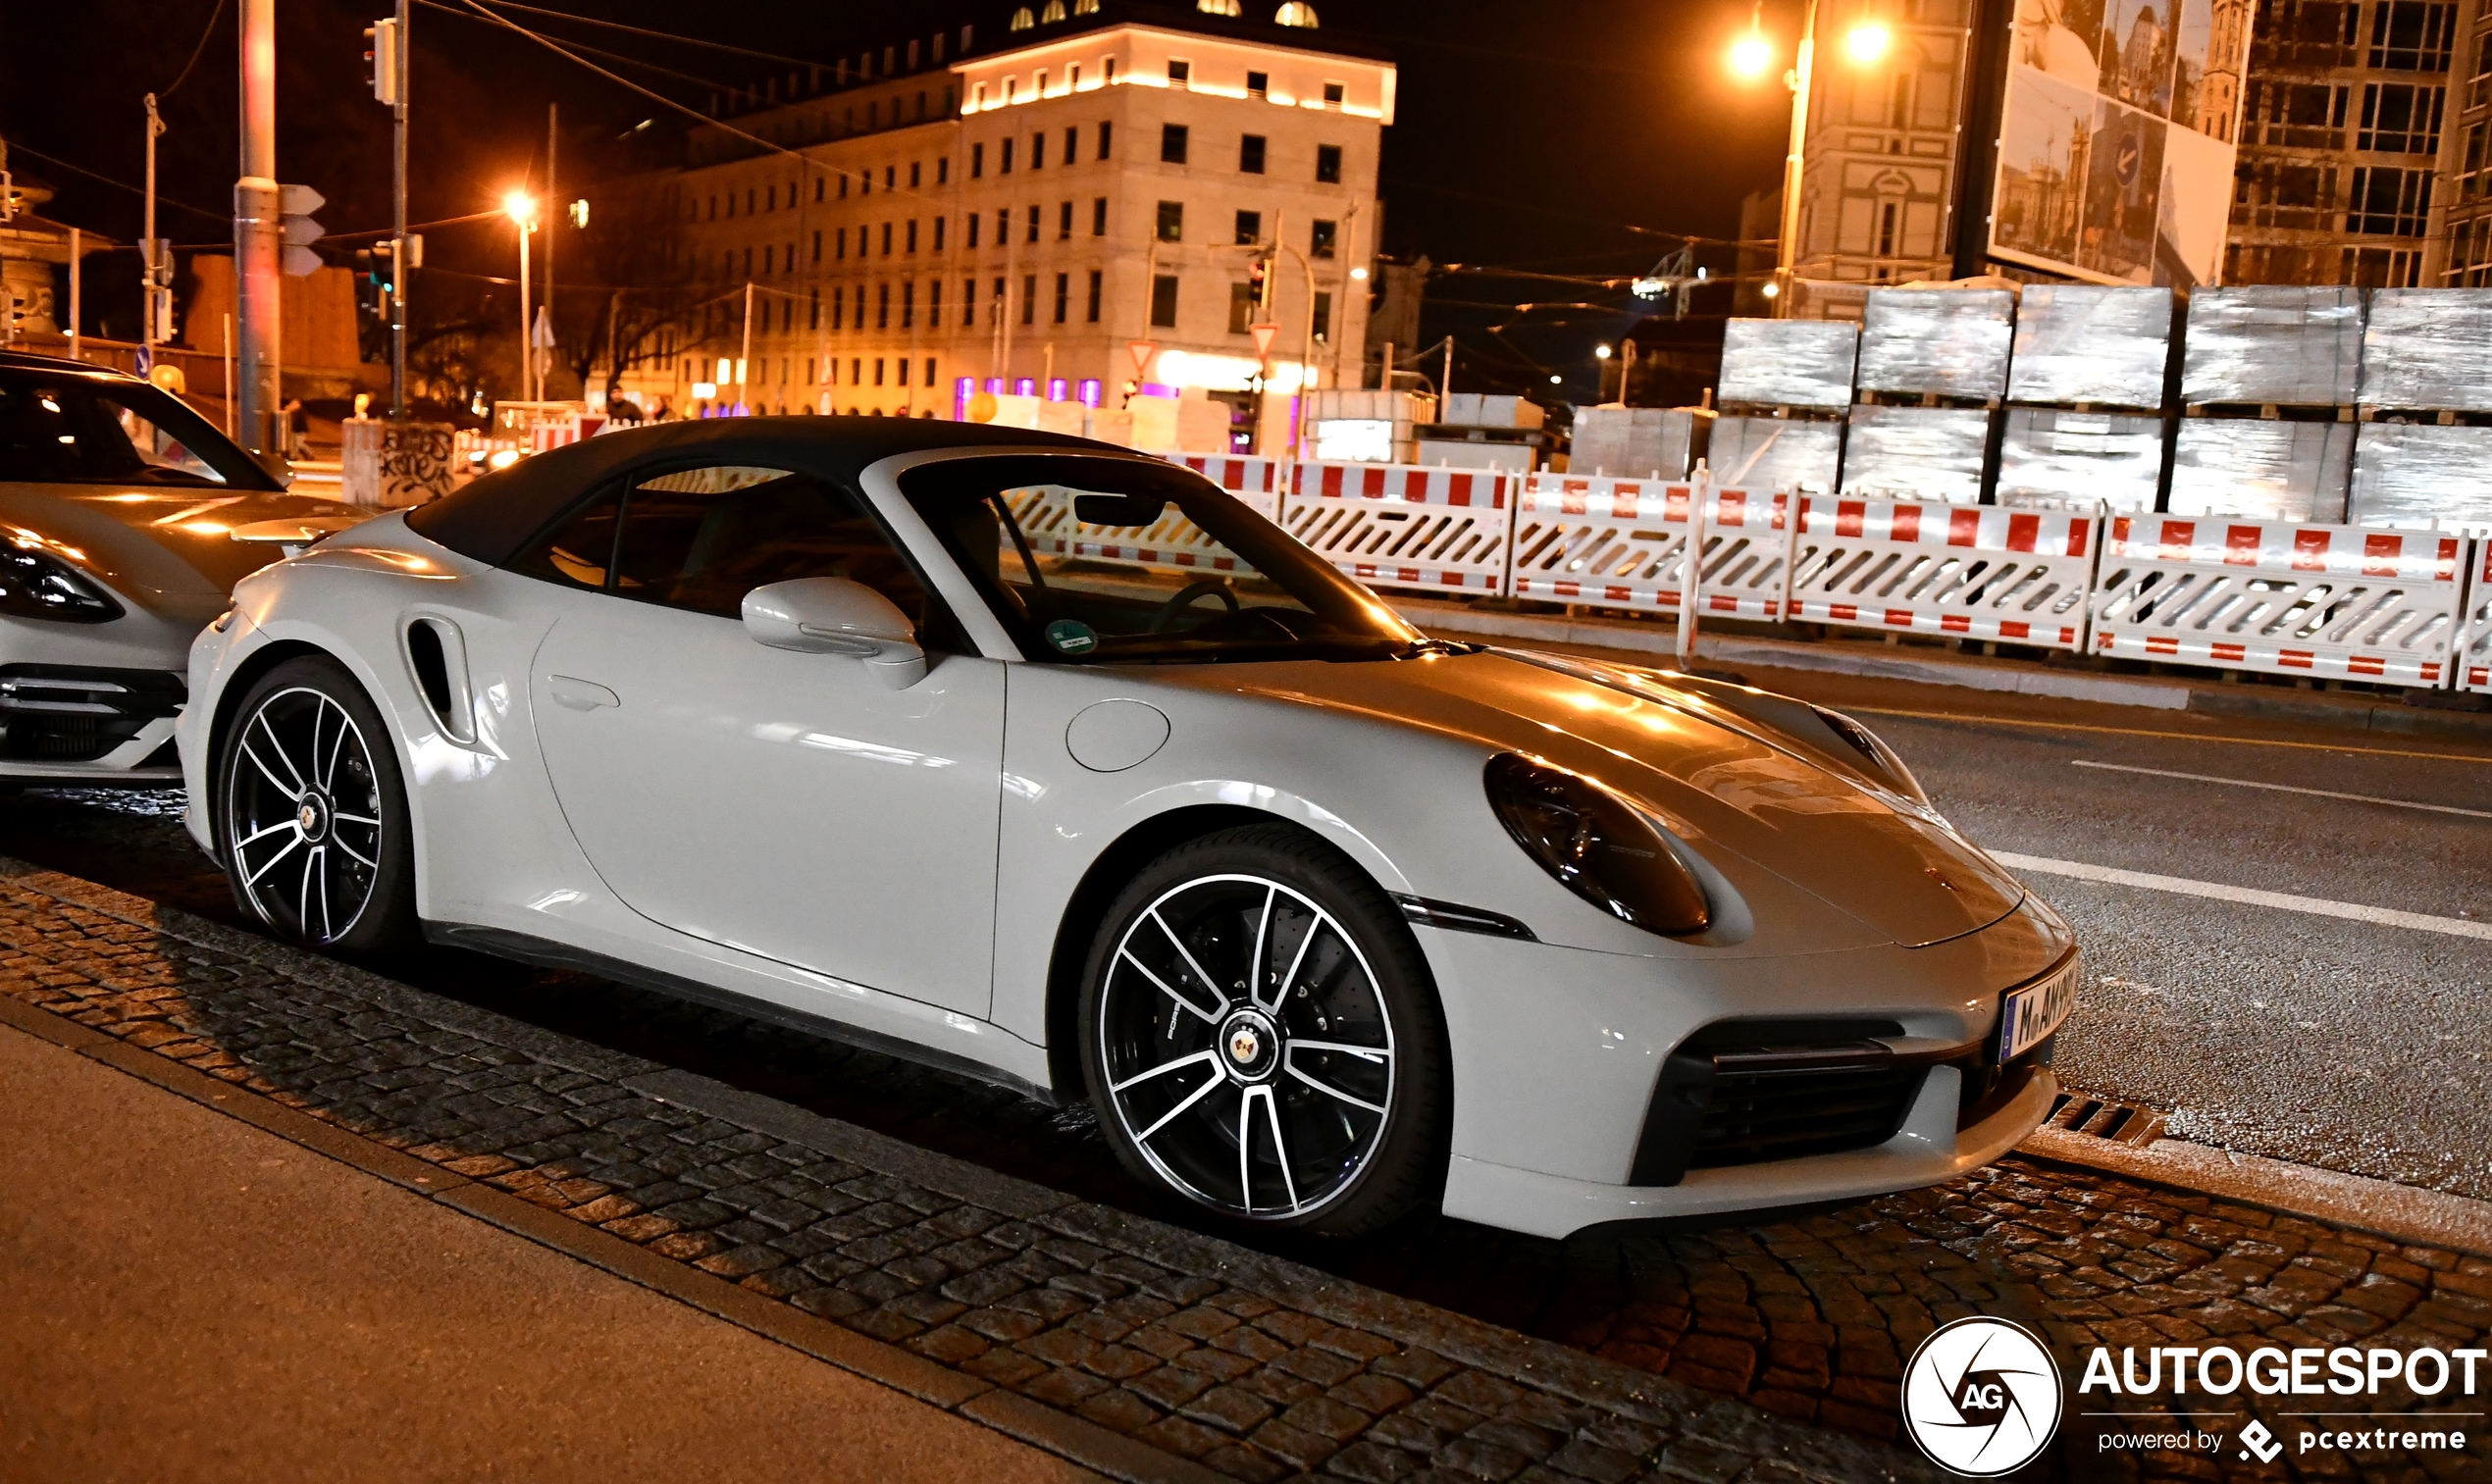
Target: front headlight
<point>1598,846</point>
<point>36,585</point>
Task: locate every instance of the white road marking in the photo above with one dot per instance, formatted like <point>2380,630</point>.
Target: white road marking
<point>2389,918</point>
<point>2252,783</point>
<point>2195,736</point>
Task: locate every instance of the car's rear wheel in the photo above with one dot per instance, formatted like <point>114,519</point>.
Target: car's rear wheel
<point>1261,1036</point>
<point>313,814</point>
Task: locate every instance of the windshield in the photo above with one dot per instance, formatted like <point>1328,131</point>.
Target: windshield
<point>68,428</point>
<point>1102,560</point>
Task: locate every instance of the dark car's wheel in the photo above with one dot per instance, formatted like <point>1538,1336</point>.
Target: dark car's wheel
<point>312,812</point>
<point>1261,1036</point>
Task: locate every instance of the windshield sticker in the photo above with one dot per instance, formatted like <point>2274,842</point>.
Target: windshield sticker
<point>1070,635</point>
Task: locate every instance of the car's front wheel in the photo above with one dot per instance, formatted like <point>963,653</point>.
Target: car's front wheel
<point>313,814</point>
<point>1261,1036</point>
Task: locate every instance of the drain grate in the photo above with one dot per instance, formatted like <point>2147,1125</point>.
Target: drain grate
<point>2102,1118</point>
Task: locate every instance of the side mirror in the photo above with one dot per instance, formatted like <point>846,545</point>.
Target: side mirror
<point>832,615</point>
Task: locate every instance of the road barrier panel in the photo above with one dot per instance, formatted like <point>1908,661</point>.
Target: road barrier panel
<point>1622,543</point>
<point>1977,571</point>
<point>2474,653</point>
<point>1399,526</point>
<point>1257,481</point>
<point>2348,601</point>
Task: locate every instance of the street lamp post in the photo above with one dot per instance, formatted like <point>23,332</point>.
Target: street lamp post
<point>1751,56</point>
<point>522,214</point>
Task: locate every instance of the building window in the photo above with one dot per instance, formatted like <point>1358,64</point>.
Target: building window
<point>1004,226</point>
<point>1072,142</point>
<point>1334,94</point>
<point>1250,154</point>
<point>813,319</point>
<point>1063,296</point>
<point>1250,227</point>
<point>2412,35</point>
<point>2386,200</point>
<point>882,306</point>
<point>1323,318</point>
<point>886,240</point>
<point>843,186</point>
<point>938,235</point>
<point>1097,282</point>
<point>1172,221</point>
<point>2471,179</point>
<point>818,245</point>
<point>973,222</point>
<point>943,170</point>
<point>839,243</point>
<point>912,234</point>
<point>855,372</point>
<point>2400,119</point>
<point>766,261</point>
<point>878,371</point>
<point>914,165</point>
<point>1889,214</point>
<point>839,308</point>
<point>1258,84</point>
<point>909,305</point>
<point>818,184</point>
<point>1241,307</point>
<point>1003,158</point>
<point>977,162</point>
<point>1107,131</point>
<point>1033,223</point>
<point>1164,302</point>
<point>1064,223</point>
<point>1172,144</point>
<point>1329,164</point>
<point>1029,298</point>
<point>930,372</point>
<point>1038,150</point>
<point>1181,73</point>
<point>969,303</point>
<point>1321,241</point>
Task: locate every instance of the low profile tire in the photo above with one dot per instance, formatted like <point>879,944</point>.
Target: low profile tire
<point>312,814</point>
<point>1262,1037</point>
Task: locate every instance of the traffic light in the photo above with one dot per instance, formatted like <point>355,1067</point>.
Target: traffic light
<point>295,204</point>
<point>381,52</point>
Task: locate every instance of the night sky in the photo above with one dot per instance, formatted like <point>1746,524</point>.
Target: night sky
<point>1529,136</point>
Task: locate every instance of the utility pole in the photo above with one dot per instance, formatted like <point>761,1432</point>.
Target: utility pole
<point>555,212</point>
<point>743,357</point>
<point>401,71</point>
<point>152,272</point>
<point>1787,244</point>
<point>258,235</point>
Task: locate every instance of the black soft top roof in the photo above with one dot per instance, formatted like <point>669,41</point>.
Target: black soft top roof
<point>494,514</point>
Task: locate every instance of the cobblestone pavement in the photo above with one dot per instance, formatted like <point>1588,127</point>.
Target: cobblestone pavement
<point>1809,1318</point>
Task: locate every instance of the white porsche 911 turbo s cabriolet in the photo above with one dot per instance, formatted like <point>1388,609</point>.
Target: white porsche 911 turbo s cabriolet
<point>832,720</point>
<point>117,509</point>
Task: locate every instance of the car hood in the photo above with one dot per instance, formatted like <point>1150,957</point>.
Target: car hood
<point>1720,782</point>
<point>155,542</point>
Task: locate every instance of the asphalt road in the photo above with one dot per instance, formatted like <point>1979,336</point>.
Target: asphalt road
<point>2351,1044</point>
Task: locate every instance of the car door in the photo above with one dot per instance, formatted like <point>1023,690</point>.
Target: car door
<point>788,804</point>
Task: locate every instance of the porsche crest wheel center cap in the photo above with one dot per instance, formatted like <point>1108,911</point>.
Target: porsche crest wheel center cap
<point>1251,1045</point>
<point>311,816</point>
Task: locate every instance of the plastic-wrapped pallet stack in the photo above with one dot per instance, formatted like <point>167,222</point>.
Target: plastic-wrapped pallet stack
<point>2268,385</point>
<point>1653,442</point>
<point>1484,431</point>
<point>1784,385</point>
<point>2085,395</point>
<point>2423,454</point>
<point>1933,368</point>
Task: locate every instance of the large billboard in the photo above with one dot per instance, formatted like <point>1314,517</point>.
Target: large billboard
<point>2117,138</point>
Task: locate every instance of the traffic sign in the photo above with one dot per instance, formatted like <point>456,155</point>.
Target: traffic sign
<point>1264,336</point>
<point>1142,351</point>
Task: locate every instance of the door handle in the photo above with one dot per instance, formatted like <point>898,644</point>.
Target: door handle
<point>580,694</point>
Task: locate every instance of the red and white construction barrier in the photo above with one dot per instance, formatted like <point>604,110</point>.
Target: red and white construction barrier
<point>2475,646</point>
<point>2349,601</point>
<point>1977,571</point>
<point>1401,527</point>
<point>1622,543</point>
<point>1254,481</point>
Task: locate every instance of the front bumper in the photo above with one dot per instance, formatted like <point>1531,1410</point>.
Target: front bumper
<point>1558,1052</point>
<point>1928,1148</point>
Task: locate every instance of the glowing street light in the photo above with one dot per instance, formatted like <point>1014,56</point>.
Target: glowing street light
<point>521,208</point>
<point>1752,56</point>
<point>1601,352</point>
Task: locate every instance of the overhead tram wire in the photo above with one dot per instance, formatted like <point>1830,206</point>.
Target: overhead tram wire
<point>463,13</point>
<point>28,149</point>
<point>196,52</point>
<point>687,110</point>
<point>657,35</point>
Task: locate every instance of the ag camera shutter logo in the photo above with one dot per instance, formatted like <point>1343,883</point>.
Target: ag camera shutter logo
<point>1982,1397</point>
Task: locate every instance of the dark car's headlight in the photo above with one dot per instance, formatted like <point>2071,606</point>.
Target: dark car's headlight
<point>36,585</point>
<point>1597,844</point>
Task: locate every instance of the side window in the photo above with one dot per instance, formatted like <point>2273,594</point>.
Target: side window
<point>701,539</point>
<point>581,549</point>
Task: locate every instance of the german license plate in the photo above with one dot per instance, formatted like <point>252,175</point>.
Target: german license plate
<point>2027,1015</point>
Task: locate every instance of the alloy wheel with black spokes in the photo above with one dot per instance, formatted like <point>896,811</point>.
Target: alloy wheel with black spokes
<point>1247,1047</point>
<point>313,814</point>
